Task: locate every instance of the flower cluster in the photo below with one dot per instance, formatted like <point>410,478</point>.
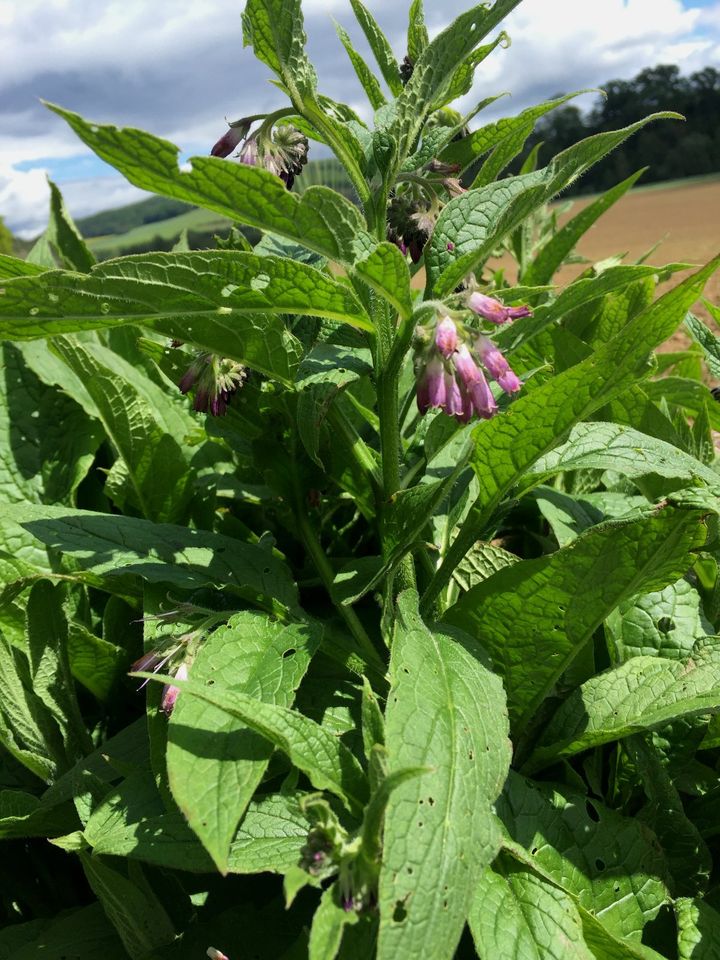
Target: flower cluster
<point>451,363</point>
<point>215,380</point>
<point>283,151</point>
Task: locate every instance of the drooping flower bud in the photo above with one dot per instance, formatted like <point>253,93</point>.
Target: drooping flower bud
<point>491,309</point>
<point>231,138</point>
<point>216,954</point>
<point>406,69</point>
<point>497,366</point>
<point>171,692</point>
<point>446,337</point>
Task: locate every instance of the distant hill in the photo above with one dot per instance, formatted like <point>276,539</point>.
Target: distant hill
<point>123,219</point>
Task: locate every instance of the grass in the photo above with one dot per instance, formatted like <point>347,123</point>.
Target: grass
<point>170,229</point>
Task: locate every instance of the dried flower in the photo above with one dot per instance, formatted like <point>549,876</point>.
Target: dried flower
<point>215,379</point>
<point>406,69</point>
<point>493,310</point>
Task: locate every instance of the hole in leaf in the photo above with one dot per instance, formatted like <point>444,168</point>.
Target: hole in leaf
<point>471,755</point>
<point>592,812</point>
<point>431,801</point>
<point>665,625</point>
<point>289,653</point>
<point>210,682</point>
<point>399,913</point>
<point>266,571</point>
<point>600,864</point>
<point>534,851</point>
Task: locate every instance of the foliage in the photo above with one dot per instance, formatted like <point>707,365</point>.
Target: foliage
<point>314,642</point>
<point>6,238</point>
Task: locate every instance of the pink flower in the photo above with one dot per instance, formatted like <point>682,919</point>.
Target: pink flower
<point>227,142</point>
<point>493,310</point>
<point>467,369</point>
<point>215,954</point>
<point>497,366</point>
<point>431,385</point>
<point>483,400</point>
<point>446,337</point>
<point>171,692</point>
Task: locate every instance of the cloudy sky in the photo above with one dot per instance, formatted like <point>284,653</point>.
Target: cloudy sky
<point>178,67</point>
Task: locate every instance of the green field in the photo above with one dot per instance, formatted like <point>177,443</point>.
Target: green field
<point>170,229</point>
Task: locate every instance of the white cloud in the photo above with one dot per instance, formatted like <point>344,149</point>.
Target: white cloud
<point>177,67</point>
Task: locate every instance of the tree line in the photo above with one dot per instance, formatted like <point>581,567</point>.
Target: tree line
<point>673,149</point>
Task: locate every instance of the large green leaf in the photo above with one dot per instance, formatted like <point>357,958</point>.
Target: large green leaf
<point>132,822</point>
<point>250,655</point>
<point>612,864</point>
<point>435,68</point>
<point>313,749</point>
<point>196,296</point>
<point>666,623</point>
<point>643,694</point>
<point>140,918</point>
<point>64,237</point>
<point>611,446</point>
<point>382,51</point>
<point>698,930</point>
<point>445,711</point>
<point>81,933</point>
<point>109,545</point>
<point>319,219</point>
<point>515,915</point>
<point>145,427</point>
<point>470,226</point>
<point>542,612</point>
<point>49,664</point>
<point>367,78</point>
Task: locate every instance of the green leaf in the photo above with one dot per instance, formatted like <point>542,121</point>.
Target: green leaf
<point>64,237</point>
<point>666,623</point>
<point>379,45</point>
<point>365,75</point>
<point>23,815</point>
<point>26,730</point>
<point>140,919</point>
<point>258,658</point>
<point>698,930</point>
<point>611,446</point>
<point>132,822</point>
<point>275,30</point>
<point>544,611</point>
<point>516,915</point>
<point>612,864</point>
<point>12,267</point>
<point>707,340</point>
<point>192,296</point>
<point>329,922</point>
<point>553,253</point>
<point>445,711</point>
<point>470,226</point>
<point>132,410</point>
<point>50,676</point>
<point>462,80</point>
<point>94,662</point>
<point>417,36</point>
<point>319,219</point>
<point>386,270</point>
<point>111,546</point>
<point>82,933</point>
<point>435,68</point>
<point>315,751</point>
<point>493,135</point>
<point>643,694</point>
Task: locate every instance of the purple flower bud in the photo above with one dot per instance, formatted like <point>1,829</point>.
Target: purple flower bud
<point>227,142</point>
<point>446,337</point>
<point>467,369</point>
<point>454,399</point>
<point>171,692</point>
<point>482,398</point>
<point>493,310</point>
<point>497,366</point>
<point>431,385</point>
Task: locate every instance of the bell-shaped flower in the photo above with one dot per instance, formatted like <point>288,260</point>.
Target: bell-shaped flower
<point>491,309</point>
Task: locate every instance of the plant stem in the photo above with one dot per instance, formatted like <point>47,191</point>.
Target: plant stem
<point>323,567</point>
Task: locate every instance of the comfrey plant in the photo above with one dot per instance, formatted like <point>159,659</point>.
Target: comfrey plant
<point>360,589</point>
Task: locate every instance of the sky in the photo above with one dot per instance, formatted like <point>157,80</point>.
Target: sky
<point>178,68</point>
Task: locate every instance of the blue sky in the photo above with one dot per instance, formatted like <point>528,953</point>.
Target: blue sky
<point>178,68</point>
